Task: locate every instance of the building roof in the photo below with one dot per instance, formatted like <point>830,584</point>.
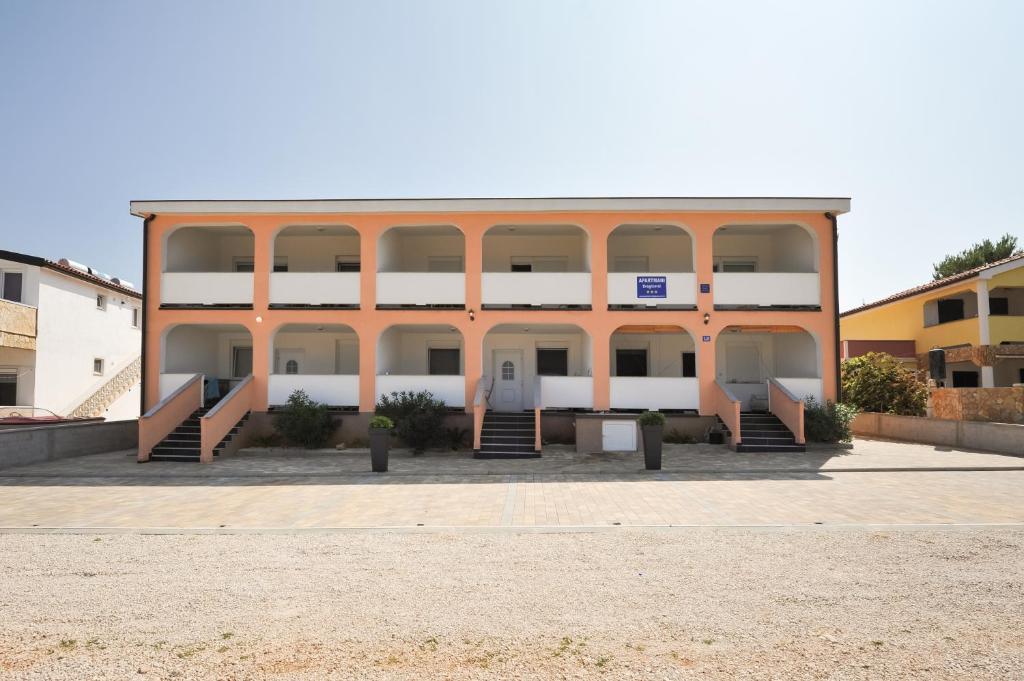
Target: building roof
<point>937,284</point>
<point>486,205</point>
<point>61,268</point>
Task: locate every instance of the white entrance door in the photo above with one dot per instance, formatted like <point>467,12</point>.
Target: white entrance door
<point>507,394</point>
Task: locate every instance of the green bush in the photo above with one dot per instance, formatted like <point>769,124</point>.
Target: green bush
<point>674,437</point>
<point>651,418</point>
<point>304,422</point>
<point>829,422</point>
<point>878,382</point>
<point>381,423</point>
<point>456,437</point>
<point>418,417</point>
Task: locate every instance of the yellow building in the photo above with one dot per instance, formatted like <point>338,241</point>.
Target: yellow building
<point>977,316</point>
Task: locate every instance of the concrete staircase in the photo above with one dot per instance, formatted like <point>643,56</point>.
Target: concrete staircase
<point>183,444</point>
<point>106,394</point>
<point>764,432</point>
<point>507,436</point>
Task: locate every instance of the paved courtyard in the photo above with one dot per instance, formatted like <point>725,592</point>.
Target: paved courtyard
<point>872,482</point>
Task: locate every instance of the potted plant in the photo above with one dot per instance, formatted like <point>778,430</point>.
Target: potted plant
<point>380,440</point>
<point>652,425</point>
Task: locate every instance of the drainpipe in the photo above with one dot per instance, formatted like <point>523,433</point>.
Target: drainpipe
<point>835,300</point>
<point>145,290</point>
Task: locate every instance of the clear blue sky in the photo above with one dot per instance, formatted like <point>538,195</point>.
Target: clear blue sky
<point>912,108</point>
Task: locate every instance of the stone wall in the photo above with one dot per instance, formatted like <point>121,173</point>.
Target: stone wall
<point>17,326</point>
<point>997,405</point>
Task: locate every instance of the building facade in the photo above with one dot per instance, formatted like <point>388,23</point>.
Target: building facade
<point>514,305</point>
<point>70,340</point>
<point>977,317</point>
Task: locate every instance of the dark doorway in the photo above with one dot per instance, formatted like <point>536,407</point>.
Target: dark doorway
<point>443,362</point>
<point>552,362</point>
<point>8,389</point>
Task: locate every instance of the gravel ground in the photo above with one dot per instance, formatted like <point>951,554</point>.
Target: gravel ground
<point>713,603</point>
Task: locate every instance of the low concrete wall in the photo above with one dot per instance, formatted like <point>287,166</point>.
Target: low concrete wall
<point>20,446</point>
<point>350,427</point>
<point>1005,438</point>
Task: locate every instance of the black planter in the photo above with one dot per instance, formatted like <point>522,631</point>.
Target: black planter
<point>652,446</point>
<point>380,441</point>
<point>716,437</point>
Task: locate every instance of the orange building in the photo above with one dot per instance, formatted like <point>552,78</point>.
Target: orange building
<point>535,308</point>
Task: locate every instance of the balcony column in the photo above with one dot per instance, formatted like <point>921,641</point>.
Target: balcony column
<point>473,235</point>
<point>988,377</point>
<point>600,336</point>
<point>472,357</point>
<point>262,339</point>
<point>369,232</point>
<point>368,337</point>
<point>263,232</point>
<point>703,255</point>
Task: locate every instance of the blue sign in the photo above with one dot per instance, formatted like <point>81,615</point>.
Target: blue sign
<point>706,339</point>
<point>705,288</point>
<point>651,287</point>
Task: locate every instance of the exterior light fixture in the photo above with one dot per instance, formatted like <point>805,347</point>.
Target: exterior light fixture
<point>259,320</point>
<point>707,318</point>
<point>472,315</point>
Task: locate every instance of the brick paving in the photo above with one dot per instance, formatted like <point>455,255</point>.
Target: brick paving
<point>871,483</point>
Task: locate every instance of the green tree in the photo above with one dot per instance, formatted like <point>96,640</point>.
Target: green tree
<point>878,382</point>
<point>977,255</point>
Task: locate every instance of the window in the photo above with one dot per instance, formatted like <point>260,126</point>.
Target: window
<point>291,367</point>
<point>444,263</point>
<point>508,371</point>
<point>241,361</point>
<point>10,286</point>
<point>346,263</point>
<point>97,366</point>
<point>632,263</point>
<point>135,317</point>
<point>965,379</point>
<point>8,389</point>
<point>552,362</point>
<point>950,310</point>
<point>689,365</point>
<point>243,264</point>
<point>280,263</point>
<point>539,263</point>
<point>101,302</point>
<point>737,264</point>
<point>631,362</point>
<point>443,361</point>
<point>999,306</point>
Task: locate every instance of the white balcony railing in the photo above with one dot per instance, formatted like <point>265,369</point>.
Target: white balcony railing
<point>336,390</point>
<point>566,392</point>
<point>802,388</point>
<point>536,288</point>
<point>449,389</point>
<point>766,288</point>
<point>680,288</point>
<point>171,382</point>
<point>314,288</point>
<point>206,288</point>
<point>654,393</point>
<point>421,288</point>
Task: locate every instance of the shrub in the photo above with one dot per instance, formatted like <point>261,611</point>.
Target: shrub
<point>418,417</point>
<point>674,437</point>
<point>455,437</point>
<point>829,422</point>
<point>304,422</point>
<point>381,423</point>
<point>651,418</point>
<point>879,382</point>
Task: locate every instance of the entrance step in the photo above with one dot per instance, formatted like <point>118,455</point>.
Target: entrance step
<point>507,435</point>
<point>183,443</point>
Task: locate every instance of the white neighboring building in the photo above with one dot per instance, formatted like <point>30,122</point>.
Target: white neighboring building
<point>70,339</point>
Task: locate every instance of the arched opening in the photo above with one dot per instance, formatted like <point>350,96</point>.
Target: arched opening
<point>761,265</point>
<point>208,265</point>
<point>651,265</point>
<point>528,266</point>
<point>527,366</point>
<point>415,357</point>
<point>747,356</point>
<point>421,266</point>
<point>321,359</point>
<point>653,367</point>
<point>221,352</point>
<point>315,265</point>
